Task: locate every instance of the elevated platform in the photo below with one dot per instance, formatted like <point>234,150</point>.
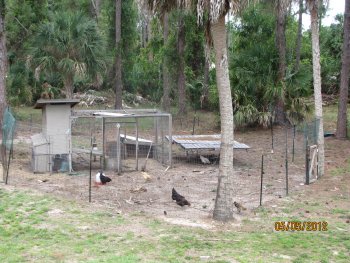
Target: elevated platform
<point>203,142</point>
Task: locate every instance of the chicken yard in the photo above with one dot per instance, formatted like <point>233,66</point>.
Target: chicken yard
<point>150,192</point>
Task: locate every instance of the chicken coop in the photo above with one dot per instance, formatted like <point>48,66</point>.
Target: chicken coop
<point>51,149</point>
<point>118,140</point>
<point>121,140</point>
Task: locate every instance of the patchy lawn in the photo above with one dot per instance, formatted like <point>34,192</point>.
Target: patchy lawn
<point>53,222</point>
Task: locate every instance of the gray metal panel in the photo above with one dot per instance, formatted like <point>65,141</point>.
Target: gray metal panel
<point>197,142</point>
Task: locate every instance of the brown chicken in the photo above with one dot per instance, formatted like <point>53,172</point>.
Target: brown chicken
<point>239,207</point>
<point>180,200</point>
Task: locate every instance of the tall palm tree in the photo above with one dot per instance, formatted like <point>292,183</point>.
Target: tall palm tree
<point>344,76</point>
<point>213,14</point>
<point>281,11</point>
<point>299,35</point>
<point>3,60</point>
<point>313,6</point>
<point>118,56</point>
<point>181,79</point>
<point>96,8</point>
<point>166,74</point>
<point>162,8</point>
<point>69,43</point>
<point>3,72</point>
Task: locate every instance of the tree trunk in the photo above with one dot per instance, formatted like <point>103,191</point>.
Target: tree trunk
<point>223,210</point>
<point>166,76</point>
<point>317,81</point>
<point>204,97</point>
<point>181,67</point>
<point>3,69</point>
<point>299,36</point>
<point>96,8</point>
<point>118,58</point>
<point>69,86</point>
<point>3,61</point>
<point>344,77</point>
<point>281,47</point>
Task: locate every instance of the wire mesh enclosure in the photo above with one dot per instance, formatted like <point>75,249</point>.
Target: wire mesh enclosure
<point>120,140</point>
<point>8,131</point>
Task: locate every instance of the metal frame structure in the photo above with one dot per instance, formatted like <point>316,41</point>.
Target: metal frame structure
<point>119,117</point>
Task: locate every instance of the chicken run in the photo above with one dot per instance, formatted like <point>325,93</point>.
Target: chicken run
<point>146,187</point>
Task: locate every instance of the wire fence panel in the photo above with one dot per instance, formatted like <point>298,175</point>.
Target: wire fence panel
<point>8,130</point>
<point>121,143</point>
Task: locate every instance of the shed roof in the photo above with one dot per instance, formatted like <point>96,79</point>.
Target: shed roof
<point>42,103</point>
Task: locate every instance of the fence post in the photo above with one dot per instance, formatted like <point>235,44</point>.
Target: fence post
<point>103,142</point>
<point>170,134</point>
<point>118,148</point>
<point>286,160</point>
<point>136,144</point>
<point>90,169</point>
<point>293,143</point>
<point>271,124</point>
<point>261,177</point>
<point>307,157</point>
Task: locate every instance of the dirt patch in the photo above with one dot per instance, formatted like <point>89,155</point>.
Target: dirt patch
<point>198,182</point>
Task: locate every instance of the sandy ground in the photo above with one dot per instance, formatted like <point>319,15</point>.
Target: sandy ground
<point>130,192</point>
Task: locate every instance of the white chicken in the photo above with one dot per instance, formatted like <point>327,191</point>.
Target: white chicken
<point>101,178</point>
<point>204,160</point>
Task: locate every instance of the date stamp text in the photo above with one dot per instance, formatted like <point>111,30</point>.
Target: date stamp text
<point>301,226</point>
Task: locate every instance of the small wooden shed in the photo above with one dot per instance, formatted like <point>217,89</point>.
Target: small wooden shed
<point>51,149</point>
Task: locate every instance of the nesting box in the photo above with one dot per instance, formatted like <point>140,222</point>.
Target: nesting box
<point>51,149</point>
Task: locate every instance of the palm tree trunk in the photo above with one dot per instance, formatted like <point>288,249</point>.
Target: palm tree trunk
<point>299,36</point>
<point>166,76</point>
<point>344,77</point>
<point>118,59</point>
<point>313,5</point>
<point>3,61</point>
<point>224,201</point>
<point>3,69</point>
<point>204,97</point>
<point>281,47</point>
<point>69,85</point>
<point>181,68</point>
<point>96,8</point>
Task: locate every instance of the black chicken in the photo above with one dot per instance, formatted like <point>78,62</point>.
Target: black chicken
<point>180,200</point>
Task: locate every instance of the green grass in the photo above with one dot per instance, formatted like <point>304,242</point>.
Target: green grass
<point>27,114</point>
<point>345,169</point>
<point>31,232</point>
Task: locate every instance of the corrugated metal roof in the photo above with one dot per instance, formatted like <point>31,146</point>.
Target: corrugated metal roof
<point>197,142</point>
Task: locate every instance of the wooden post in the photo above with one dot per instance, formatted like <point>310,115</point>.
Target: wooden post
<point>155,151</point>
<point>118,149</point>
<point>103,143</point>
<point>293,143</point>
<point>170,140</point>
<point>317,163</point>
<point>50,164</point>
<point>307,180</point>
<point>90,171</point>
<point>286,176</point>
<point>286,161</point>
<point>137,144</point>
<point>261,178</point>
<point>8,164</point>
<point>271,125</point>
